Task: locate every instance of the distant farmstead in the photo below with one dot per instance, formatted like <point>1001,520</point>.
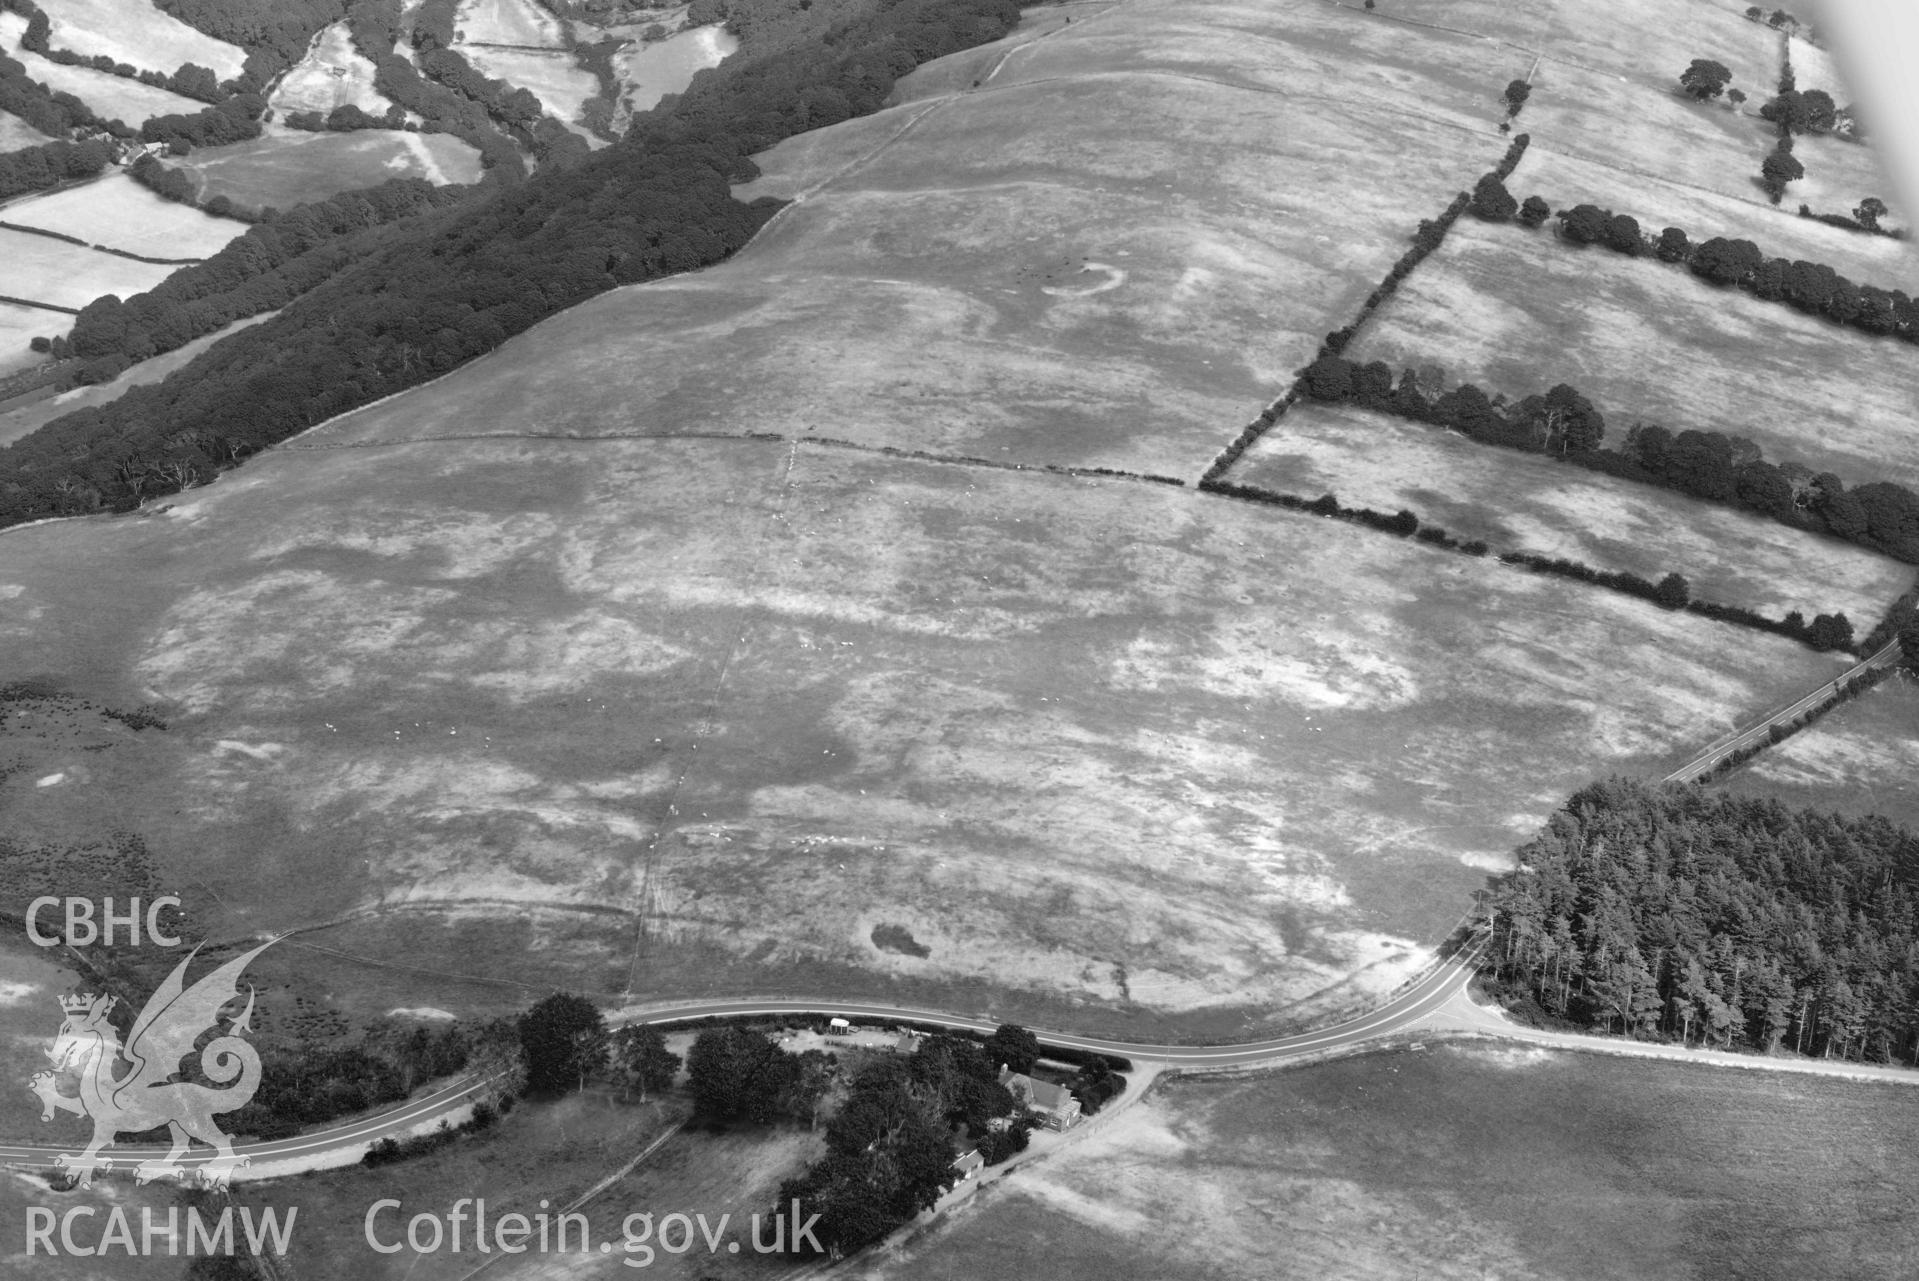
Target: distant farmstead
<point>1052,1105</point>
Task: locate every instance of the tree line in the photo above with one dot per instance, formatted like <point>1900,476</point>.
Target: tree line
<point>274,33</point>
<point>1429,235</point>
<point>658,202</point>
<point>1810,287</point>
<point>50,164</point>
<point>1684,913</point>
<point>269,266</point>
<point>1671,591</point>
<point>189,80</point>
<point>1882,516</point>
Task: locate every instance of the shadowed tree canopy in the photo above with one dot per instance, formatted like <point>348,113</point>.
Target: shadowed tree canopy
<point>1704,79</point>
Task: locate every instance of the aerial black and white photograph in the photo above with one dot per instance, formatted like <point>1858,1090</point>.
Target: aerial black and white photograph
<point>946,640</point>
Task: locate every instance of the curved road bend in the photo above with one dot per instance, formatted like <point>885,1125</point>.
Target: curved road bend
<point>344,1144</point>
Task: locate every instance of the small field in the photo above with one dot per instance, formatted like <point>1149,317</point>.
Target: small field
<point>1638,130</point>
<point>1564,181</point>
<point>107,94</point>
<point>1814,68</point>
<point>333,74</point>
<point>1636,41</point>
<point>651,71</point>
<point>510,22</point>
<point>1839,174</point>
<point>43,269</point>
<point>543,1152</point>
<point>287,167</point>
<point>118,212</point>
<point>20,326</point>
<point>1458,1161</point>
<point>1862,758</point>
<point>1528,502</point>
<point>137,33</point>
<point>1517,311</point>
<point>16,133</point>
<point>554,78</point>
<point>16,423</point>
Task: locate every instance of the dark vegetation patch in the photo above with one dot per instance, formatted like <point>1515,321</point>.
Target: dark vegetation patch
<point>1678,913</point>
<point>897,938</point>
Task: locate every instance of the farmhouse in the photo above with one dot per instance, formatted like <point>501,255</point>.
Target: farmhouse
<point>1053,1105</point>
<point>968,1166</point>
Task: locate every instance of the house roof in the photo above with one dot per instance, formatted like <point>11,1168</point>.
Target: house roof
<point>1039,1094</point>
<point>969,1163</point>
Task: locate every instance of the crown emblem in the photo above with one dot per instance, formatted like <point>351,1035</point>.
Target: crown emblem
<point>82,1003</point>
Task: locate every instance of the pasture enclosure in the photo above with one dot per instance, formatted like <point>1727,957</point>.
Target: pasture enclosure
<point>1529,502</point>
<point>651,71</point>
<point>108,95</point>
<point>41,269</point>
<point>1860,758</point>
<point>1554,1165</point>
<point>138,34</point>
<point>1517,312</point>
<point>118,212</point>
<point>333,74</point>
<point>286,167</point>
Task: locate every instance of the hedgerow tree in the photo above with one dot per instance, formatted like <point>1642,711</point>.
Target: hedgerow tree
<point>1779,168</point>
<point>1869,211</point>
<point>1014,1047</point>
<point>1516,94</point>
<point>1909,642</point>
<point>1705,79</point>
<point>1673,592</point>
<point>640,1060</point>
<point>1492,201</point>
<point>565,1041</point>
<point>1533,211</point>
<point>737,1073</point>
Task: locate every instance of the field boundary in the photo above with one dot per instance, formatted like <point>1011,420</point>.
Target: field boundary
<point>43,306</point>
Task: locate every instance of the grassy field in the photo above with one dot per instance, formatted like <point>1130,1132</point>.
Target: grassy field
<point>1459,1161</point>
<point>1839,174</point>
<point>333,74</point>
<point>1565,181</point>
<point>1637,130</point>
<point>1637,42</point>
<point>286,167</point>
<point>135,32</point>
<point>1517,311</point>
<point>16,133</point>
<point>42,269</point>
<point>21,325</point>
<point>777,699</point>
<point>1529,502</point>
<point>118,212</point>
<point>554,78</point>
<point>1863,758</point>
<point>520,22</point>
<point>1131,308</point>
<point>107,94</point>
<point>541,1152</point>
<point>649,72</point>
<point>16,423</point>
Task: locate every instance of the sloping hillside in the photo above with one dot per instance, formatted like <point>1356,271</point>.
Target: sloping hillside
<point>638,656</point>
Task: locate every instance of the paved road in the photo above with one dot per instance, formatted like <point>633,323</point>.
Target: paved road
<point>1759,731</point>
<point>344,1144</point>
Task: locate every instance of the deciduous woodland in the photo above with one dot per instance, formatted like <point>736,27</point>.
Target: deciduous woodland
<point>1720,920</point>
<point>656,203</point>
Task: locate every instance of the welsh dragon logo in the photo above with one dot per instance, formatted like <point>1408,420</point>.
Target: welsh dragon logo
<point>130,1088</point>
